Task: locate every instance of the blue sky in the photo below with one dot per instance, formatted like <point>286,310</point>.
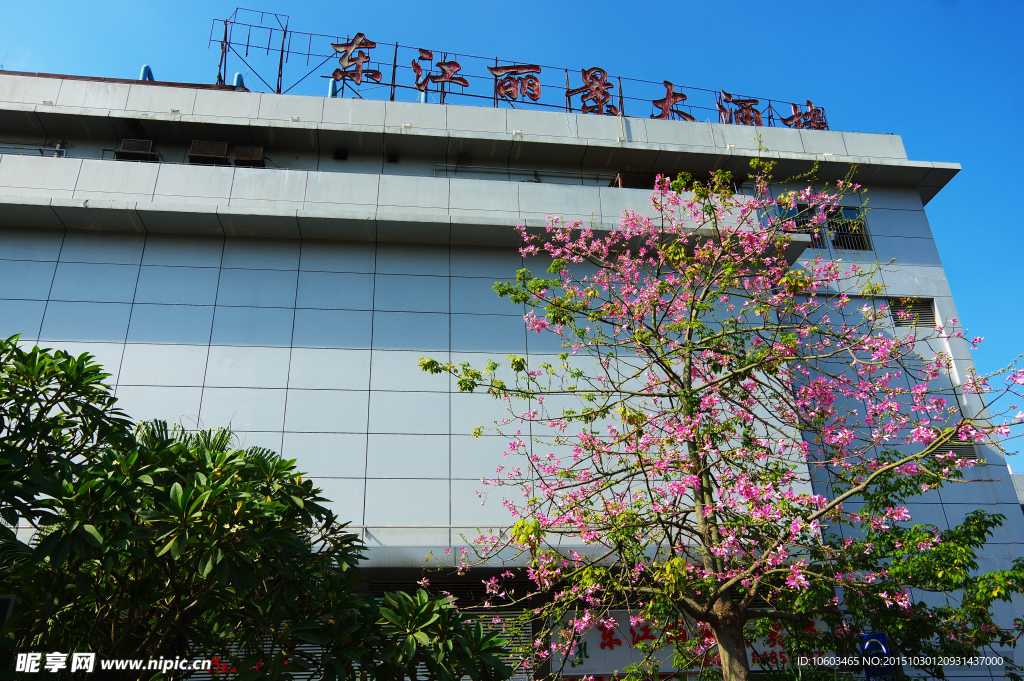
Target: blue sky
<point>943,74</point>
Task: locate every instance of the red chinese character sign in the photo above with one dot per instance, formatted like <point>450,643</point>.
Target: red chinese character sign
<point>449,71</point>
<point>516,84</point>
<point>812,119</point>
<point>666,104</point>
<point>641,633</point>
<point>506,86</point>
<point>417,69</point>
<point>595,90</point>
<point>617,643</point>
<point>608,638</point>
<point>352,66</point>
<point>732,109</point>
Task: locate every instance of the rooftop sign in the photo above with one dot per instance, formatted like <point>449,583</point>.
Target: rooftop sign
<point>368,69</point>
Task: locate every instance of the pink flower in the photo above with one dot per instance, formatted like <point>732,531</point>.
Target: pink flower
<point>796,579</point>
<point>535,323</point>
<point>922,434</point>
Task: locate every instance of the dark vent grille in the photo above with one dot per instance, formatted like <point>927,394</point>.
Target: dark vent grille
<point>907,312</point>
<point>963,450</point>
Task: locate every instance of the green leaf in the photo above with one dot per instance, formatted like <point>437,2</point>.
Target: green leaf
<point>409,647</point>
<point>168,547</point>
<point>92,535</point>
<point>391,616</point>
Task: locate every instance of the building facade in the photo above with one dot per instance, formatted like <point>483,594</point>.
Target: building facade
<point>289,292</point>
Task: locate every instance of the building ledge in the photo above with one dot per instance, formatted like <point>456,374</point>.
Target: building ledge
<point>56,107</point>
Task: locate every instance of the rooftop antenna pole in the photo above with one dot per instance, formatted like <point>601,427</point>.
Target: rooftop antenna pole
<point>223,56</point>
<point>394,72</point>
<point>342,95</point>
<point>280,63</point>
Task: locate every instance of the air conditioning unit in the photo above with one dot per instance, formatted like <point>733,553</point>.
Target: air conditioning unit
<point>135,150</point>
<point>249,157</point>
<point>209,153</point>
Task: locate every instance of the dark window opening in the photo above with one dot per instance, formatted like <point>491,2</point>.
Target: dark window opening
<point>634,178</point>
<point>849,233</point>
<point>341,154</point>
<point>802,216</point>
<point>907,312</point>
<point>391,158</point>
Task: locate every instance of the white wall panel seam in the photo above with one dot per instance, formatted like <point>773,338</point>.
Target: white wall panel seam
<point>49,293</point>
<point>450,343</point>
<point>156,183</point>
<point>291,345</point>
<point>135,293</point>
<point>213,320</point>
<point>78,176</point>
<point>369,383</point>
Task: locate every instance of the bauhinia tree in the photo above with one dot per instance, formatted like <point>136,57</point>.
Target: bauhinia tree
<point>729,440</point>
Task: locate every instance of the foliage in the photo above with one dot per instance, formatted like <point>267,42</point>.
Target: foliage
<point>158,542</point>
<point>55,414</point>
<point>728,441</point>
<point>420,630</point>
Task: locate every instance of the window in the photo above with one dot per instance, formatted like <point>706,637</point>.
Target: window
<point>634,178</point>
<point>849,233</point>
<point>846,225</point>
<point>907,312</point>
<point>802,216</point>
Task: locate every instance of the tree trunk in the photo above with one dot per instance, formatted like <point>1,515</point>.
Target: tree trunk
<point>732,648</point>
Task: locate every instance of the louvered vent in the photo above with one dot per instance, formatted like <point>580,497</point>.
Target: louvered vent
<point>919,312</point>
<point>963,450</point>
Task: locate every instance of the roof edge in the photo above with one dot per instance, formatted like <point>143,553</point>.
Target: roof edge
<point>131,81</point>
